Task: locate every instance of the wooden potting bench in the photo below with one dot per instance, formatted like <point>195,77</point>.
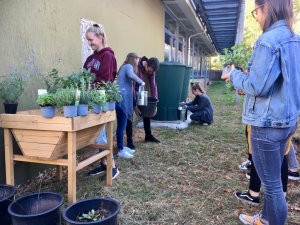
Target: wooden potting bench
<point>47,141</point>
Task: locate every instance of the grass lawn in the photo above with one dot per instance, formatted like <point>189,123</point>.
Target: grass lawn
<point>190,178</point>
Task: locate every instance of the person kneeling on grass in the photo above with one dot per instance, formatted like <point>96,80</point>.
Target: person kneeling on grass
<point>201,107</point>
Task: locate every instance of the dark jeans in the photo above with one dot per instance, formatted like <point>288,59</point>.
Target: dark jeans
<point>147,128</point>
<point>121,124</point>
<point>255,182</point>
<point>201,117</point>
<point>268,149</point>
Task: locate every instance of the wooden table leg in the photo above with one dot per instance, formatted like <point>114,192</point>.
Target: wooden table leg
<point>71,167</point>
<point>59,173</point>
<point>9,162</point>
<point>109,136</point>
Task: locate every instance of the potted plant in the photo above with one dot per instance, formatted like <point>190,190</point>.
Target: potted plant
<point>7,193</point>
<point>66,98</point>
<point>37,208</point>
<point>47,104</point>
<point>84,102</point>
<point>98,100</point>
<point>96,211</point>
<point>11,88</point>
<point>112,95</point>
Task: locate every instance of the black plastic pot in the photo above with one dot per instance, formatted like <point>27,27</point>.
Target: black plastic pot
<point>37,209</point>
<point>70,214</point>
<point>150,109</point>
<point>7,193</point>
<point>10,108</point>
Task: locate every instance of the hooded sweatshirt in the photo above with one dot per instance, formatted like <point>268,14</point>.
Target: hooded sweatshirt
<point>102,65</point>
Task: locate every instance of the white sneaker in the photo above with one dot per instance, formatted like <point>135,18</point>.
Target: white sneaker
<point>129,150</point>
<point>124,154</point>
<point>245,165</point>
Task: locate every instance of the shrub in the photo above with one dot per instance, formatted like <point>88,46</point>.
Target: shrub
<point>11,88</point>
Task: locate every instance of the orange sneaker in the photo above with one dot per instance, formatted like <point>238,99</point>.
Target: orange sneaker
<point>251,220</point>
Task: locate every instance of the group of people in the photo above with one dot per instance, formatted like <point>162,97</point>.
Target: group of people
<point>271,108</point>
<point>133,72</point>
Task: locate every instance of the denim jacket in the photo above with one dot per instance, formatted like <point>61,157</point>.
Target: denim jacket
<point>272,85</point>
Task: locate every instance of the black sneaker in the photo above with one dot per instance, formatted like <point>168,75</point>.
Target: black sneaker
<point>246,197</point>
<point>115,172</point>
<point>294,175</point>
<point>151,138</point>
<point>98,170</point>
<point>130,145</point>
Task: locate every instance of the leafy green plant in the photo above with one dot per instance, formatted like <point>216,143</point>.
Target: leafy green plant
<point>78,79</point>
<point>46,99</point>
<point>112,92</point>
<point>65,97</point>
<point>53,81</point>
<point>98,97</point>
<point>239,55</point>
<point>11,88</point>
<point>93,215</point>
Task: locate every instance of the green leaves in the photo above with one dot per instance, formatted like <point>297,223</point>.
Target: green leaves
<point>65,97</point>
<point>112,92</point>
<point>46,100</point>
<point>239,55</point>
<point>11,88</point>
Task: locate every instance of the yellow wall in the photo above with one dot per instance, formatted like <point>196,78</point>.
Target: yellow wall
<point>38,35</point>
<point>44,34</point>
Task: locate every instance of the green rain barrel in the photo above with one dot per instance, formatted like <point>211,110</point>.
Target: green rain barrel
<point>169,79</point>
<point>186,81</point>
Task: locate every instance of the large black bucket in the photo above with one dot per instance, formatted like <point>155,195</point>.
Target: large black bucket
<point>7,193</point>
<point>37,209</point>
<point>70,214</point>
<point>150,109</point>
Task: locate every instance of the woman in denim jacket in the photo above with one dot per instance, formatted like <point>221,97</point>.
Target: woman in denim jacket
<point>272,102</point>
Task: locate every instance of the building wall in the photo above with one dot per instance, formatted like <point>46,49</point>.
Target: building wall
<point>38,35</point>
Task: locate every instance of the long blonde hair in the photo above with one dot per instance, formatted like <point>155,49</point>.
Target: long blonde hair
<point>131,59</point>
<point>98,30</point>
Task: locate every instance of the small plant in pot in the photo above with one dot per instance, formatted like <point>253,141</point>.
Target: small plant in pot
<point>85,102</point>
<point>97,211</point>
<point>112,95</point>
<point>66,98</point>
<point>98,100</point>
<point>47,103</point>
<point>11,88</point>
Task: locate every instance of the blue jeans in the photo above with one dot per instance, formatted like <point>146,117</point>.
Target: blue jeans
<point>268,148</point>
<point>121,124</point>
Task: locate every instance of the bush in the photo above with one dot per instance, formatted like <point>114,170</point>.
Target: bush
<point>11,88</point>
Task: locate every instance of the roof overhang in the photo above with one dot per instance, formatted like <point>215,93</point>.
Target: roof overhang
<point>184,12</point>
<point>221,18</point>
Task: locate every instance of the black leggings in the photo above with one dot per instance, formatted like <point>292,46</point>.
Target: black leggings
<point>147,128</point>
<point>255,183</point>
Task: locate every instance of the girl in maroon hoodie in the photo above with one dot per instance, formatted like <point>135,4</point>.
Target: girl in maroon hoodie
<point>103,65</point>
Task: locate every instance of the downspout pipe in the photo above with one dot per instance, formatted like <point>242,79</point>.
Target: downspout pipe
<point>189,45</point>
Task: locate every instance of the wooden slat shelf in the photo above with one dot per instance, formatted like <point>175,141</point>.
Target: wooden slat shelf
<point>46,141</point>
